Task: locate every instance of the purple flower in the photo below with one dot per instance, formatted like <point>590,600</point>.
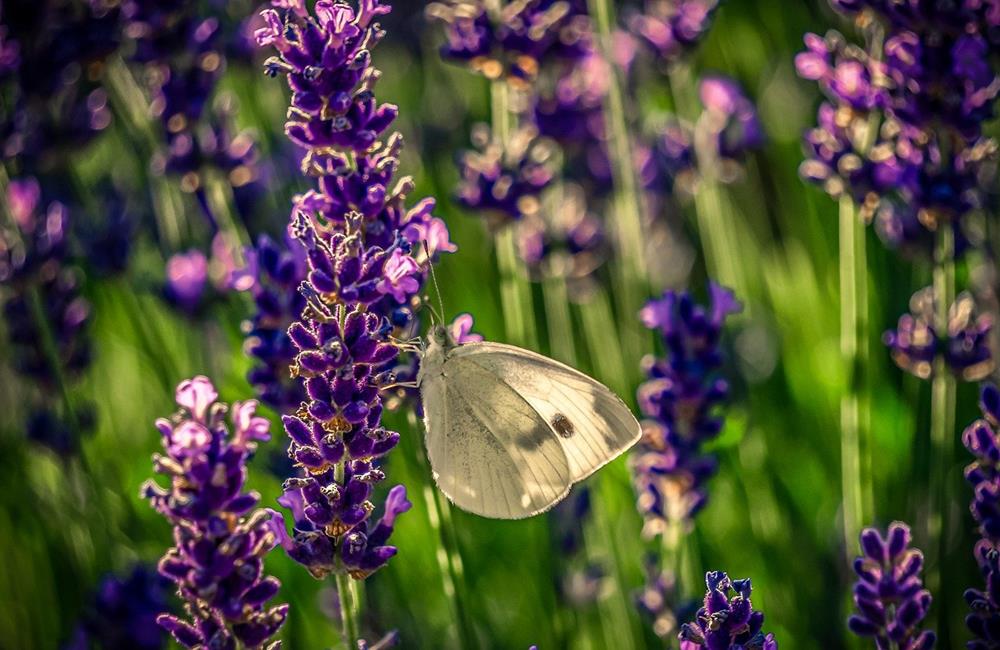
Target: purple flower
<point>889,593</point>
<point>731,115</point>
<point>400,276</point>
<point>187,277</point>
<point>122,615</point>
<point>524,35</point>
<point>658,600</point>
<point>727,620</point>
<point>461,330</point>
<point>42,51</point>
<point>43,305</point>
<point>569,242</point>
<point>980,438</point>
<point>983,474</point>
<point>273,273</point>
<point>680,401</point>
<point>671,28</point>
<point>505,182</point>
<point>929,95</point>
<point>984,619</point>
<point>915,345</point>
<point>366,258</point>
<point>220,539</point>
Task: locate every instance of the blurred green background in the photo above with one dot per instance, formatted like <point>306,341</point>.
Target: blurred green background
<point>774,513</point>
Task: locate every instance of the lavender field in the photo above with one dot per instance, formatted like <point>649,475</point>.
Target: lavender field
<point>257,260</point>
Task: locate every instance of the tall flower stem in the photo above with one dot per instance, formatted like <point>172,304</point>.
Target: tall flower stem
<point>348,610</point>
<point>630,263</point>
<point>942,413</point>
<point>515,291</point>
<point>448,555</point>
<point>854,354</point>
<point>346,591</point>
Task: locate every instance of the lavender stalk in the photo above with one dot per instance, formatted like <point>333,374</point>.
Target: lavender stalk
<point>628,201</point>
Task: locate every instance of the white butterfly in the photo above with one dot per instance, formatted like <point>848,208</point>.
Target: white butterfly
<point>510,431</point>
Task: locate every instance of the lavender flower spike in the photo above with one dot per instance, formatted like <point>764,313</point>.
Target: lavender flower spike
<point>220,539</point>
<point>680,401</point>
<point>366,257</point>
<point>727,620</point>
<point>983,474</point>
<point>889,593</point>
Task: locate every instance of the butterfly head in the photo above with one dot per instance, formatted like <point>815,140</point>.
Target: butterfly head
<point>440,336</point>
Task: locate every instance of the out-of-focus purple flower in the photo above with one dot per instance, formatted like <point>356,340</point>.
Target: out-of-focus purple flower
<point>730,127</point>
<point>504,183</point>
<point>122,615</point>
<point>220,539</point>
<point>902,133</point>
<point>45,54</point>
<point>730,115</point>
<point>461,330</point>
<point>727,619</point>
<point>516,42</point>
<point>567,242</point>
<point>43,306</point>
<point>671,28</point>
<point>186,279</point>
<point>570,110</point>
<point>915,345</point>
<point>274,272</point>
<point>659,601</point>
<point>367,256</point>
<point>680,401</point>
<point>182,53</point>
<point>889,594</point>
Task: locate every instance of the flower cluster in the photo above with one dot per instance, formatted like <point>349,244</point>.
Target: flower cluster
<point>220,538</point>
<point>546,51</point>
<point>727,620</point>
<point>902,133</point>
<point>515,43</point>
<point>367,256</point>
<point>53,55</point>
<point>728,129</point>
<point>680,401</point>
<point>45,315</point>
<point>983,474</point>
<point>183,58</point>
<point>503,181</point>
<point>658,600</point>
<point>274,272</point>
<point>123,613</point>
<point>671,28</point>
<point>889,594</point>
<point>915,346</point>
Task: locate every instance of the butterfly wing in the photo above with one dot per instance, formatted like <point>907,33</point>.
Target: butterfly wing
<point>490,451</point>
<point>590,422</point>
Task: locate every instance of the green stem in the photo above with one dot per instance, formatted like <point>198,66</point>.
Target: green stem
<point>515,290</point>
<point>851,337</point>
<point>448,555</point>
<point>348,610</point>
<point>605,354</point>
<point>942,410</point>
<point>559,321</point>
<point>630,263</point>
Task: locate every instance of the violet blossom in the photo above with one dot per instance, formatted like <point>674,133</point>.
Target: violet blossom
<point>220,537</point>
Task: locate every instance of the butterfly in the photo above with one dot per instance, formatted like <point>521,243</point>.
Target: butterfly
<point>509,431</point>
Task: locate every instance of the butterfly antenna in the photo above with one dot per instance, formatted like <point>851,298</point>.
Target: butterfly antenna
<point>434,279</point>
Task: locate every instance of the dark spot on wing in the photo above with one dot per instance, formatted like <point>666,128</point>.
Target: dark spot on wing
<point>562,425</point>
